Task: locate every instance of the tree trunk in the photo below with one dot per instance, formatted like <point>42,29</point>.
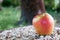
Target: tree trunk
<point>30,8</point>
<point>28,11</point>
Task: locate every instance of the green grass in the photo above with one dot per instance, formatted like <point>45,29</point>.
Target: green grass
<point>9,16</point>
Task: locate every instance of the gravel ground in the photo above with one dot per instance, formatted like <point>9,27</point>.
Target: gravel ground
<point>28,33</point>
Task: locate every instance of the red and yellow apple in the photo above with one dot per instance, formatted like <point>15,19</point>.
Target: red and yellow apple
<point>43,24</point>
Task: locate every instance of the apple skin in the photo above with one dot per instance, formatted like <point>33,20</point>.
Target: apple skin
<point>43,24</point>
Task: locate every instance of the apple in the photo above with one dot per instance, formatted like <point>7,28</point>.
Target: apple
<point>43,24</point>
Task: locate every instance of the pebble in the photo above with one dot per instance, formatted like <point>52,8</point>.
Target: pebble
<point>28,33</point>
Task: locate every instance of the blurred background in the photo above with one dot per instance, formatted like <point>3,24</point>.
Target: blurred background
<point>10,12</point>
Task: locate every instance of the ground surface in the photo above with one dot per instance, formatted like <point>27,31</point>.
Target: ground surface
<point>28,33</point>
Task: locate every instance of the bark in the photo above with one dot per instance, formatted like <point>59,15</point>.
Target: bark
<point>30,8</point>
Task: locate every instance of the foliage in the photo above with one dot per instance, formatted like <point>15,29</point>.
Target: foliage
<point>53,4</point>
<point>8,17</point>
<point>49,3</point>
<point>11,2</point>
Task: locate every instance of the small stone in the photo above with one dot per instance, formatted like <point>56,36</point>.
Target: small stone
<point>37,36</point>
<point>47,37</point>
<point>2,36</point>
<point>41,37</point>
<point>58,31</point>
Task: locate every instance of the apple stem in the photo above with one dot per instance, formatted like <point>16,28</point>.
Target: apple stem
<point>42,6</point>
